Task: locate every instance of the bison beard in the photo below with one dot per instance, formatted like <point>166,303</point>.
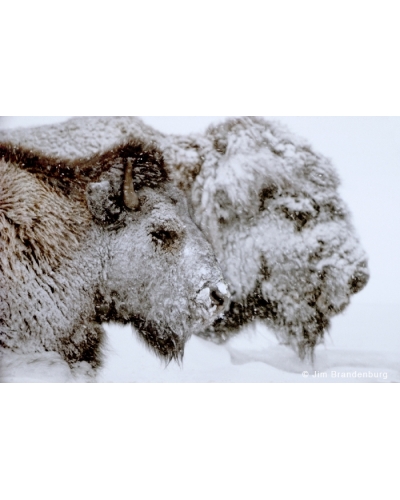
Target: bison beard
<point>161,339</point>
<point>254,307</point>
<point>302,336</point>
<point>157,336</point>
<point>240,313</point>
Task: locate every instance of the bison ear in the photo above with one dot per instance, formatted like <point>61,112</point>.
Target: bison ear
<point>103,202</point>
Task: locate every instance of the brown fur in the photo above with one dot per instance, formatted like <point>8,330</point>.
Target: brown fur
<point>73,255</point>
<point>36,221</point>
<point>43,207</point>
<point>72,177</point>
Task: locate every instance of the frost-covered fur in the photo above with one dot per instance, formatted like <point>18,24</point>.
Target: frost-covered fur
<point>270,207</point>
<point>72,260</point>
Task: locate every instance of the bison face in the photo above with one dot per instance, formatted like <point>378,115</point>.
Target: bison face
<point>161,274</point>
<point>270,208</point>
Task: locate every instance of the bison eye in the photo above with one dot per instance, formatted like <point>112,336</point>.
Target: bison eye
<point>164,238</point>
<point>267,193</point>
<point>300,218</point>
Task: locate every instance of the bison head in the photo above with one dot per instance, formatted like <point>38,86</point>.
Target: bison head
<point>101,239</point>
<point>270,207</point>
<point>160,274</point>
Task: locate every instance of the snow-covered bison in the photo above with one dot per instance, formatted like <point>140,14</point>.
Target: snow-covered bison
<point>270,207</point>
<point>102,239</point>
<point>268,204</point>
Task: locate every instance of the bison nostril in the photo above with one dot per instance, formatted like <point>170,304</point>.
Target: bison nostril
<point>219,296</point>
<point>216,298</point>
<point>358,280</point>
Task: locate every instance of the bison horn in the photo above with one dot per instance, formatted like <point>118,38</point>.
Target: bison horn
<point>131,199</point>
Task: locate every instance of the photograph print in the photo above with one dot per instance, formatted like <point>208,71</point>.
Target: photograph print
<point>199,249</point>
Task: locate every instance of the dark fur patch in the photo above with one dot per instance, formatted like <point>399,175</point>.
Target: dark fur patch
<point>359,279</point>
<point>148,169</point>
<point>220,145</point>
<point>312,333</point>
<point>253,307</point>
<point>87,349</point>
<point>165,239</point>
<point>55,172</point>
<point>299,218</point>
<point>72,177</point>
<point>267,193</point>
<point>159,338</point>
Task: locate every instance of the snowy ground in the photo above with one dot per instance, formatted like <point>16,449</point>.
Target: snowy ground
<point>364,342</point>
<point>360,348</point>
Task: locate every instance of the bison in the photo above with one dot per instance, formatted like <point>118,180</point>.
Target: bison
<point>269,205</point>
<point>106,238</point>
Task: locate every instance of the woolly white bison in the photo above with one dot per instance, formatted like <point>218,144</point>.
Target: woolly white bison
<point>268,204</point>
<point>103,239</point>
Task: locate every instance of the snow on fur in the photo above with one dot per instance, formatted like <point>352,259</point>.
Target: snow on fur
<point>268,204</point>
<point>270,207</point>
<point>69,263</point>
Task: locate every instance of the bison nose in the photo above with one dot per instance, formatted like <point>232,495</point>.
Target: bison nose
<point>219,296</point>
<point>359,278</point>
